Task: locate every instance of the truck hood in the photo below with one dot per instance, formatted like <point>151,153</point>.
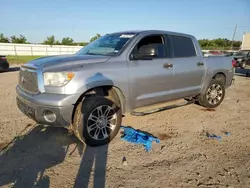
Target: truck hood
<point>66,60</point>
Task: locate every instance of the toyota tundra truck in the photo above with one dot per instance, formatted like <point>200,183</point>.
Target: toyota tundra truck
<point>90,91</point>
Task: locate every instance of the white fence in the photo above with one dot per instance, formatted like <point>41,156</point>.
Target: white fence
<point>36,49</point>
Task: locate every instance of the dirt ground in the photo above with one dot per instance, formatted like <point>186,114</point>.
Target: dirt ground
<point>49,157</point>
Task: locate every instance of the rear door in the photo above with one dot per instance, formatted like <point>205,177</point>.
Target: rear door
<point>188,66</point>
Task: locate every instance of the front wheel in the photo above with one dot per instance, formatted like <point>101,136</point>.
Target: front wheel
<point>214,94</point>
<point>97,120</point>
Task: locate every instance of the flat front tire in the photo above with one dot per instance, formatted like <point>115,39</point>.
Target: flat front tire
<point>97,120</point>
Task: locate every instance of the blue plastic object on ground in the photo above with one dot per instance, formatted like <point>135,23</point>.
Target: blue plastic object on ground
<point>227,133</point>
<point>214,136</point>
<point>138,137</point>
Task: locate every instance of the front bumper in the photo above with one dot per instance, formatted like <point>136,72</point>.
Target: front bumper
<point>34,106</point>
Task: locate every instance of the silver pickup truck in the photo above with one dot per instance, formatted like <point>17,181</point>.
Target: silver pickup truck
<point>90,91</point>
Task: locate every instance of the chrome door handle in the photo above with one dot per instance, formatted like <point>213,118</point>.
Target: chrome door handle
<point>167,65</point>
<point>200,64</point>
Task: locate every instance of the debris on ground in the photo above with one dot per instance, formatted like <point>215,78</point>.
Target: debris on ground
<point>139,137</point>
<point>209,135</point>
<point>227,133</point>
<point>124,161</point>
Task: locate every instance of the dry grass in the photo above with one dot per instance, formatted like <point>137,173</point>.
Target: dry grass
<point>17,60</point>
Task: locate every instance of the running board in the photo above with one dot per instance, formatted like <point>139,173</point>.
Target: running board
<point>162,108</point>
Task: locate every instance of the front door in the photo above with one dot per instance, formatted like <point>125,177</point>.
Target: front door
<point>150,80</point>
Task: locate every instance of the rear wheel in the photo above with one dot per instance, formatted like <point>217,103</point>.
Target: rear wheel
<point>97,120</point>
<point>214,94</point>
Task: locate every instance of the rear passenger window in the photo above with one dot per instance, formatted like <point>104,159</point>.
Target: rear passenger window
<point>183,46</point>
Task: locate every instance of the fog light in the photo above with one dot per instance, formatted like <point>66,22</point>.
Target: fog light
<point>49,116</point>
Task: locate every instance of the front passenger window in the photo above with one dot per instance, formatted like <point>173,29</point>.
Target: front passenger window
<point>156,41</point>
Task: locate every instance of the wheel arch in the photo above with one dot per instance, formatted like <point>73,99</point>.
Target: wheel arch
<point>110,91</point>
<point>220,76</point>
<point>213,75</point>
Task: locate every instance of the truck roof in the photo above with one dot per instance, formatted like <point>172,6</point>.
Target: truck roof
<point>153,31</point>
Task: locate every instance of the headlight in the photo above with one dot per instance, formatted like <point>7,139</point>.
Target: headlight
<point>57,78</point>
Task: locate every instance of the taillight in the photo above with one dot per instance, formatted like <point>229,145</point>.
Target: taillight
<point>234,63</point>
<point>3,58</point>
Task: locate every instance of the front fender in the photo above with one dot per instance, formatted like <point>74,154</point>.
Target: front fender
<point>96,80</point>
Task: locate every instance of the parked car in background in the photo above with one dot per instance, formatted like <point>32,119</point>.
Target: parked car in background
<point>4,65</point>
<point>213,53</point>
<point>228,53</point>
<point>90,91</point>
<point>242,58</point>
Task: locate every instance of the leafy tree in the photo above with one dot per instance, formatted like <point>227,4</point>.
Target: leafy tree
<point>219,43</point>
<point>95,37</point>
<point>81,43</point>
<point>67,41</point>
<point>21,40</point>
<point>3,39</point>
<point>57,43</point>
<point>50,40</point>
<point>237,44</point>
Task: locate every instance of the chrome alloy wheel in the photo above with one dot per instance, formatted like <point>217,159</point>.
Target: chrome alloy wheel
<point>101,122</point>
<point>214,94</point>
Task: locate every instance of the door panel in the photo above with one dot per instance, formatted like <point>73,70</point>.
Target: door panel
<point>188,75</point>
<point>188,66</point>
<point>151,81</point>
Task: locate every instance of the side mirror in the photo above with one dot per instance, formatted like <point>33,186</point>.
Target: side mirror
<point>146,52</point>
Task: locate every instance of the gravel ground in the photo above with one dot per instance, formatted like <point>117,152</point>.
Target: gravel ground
<point>35,156</point>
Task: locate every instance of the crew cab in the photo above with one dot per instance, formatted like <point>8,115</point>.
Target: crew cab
<point>90,91</point>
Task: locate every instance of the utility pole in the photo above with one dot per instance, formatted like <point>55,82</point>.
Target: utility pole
<point>233,36</point>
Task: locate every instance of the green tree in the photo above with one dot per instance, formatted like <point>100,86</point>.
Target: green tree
<point>57,43</point>
<point>82,43</point>
<point>21,40</point>
<point>95,37</point>
<point>3,39</point>
<point>50,40</point>
<point>67,41</point>
<point>219,43</point>
<point>237,44</point>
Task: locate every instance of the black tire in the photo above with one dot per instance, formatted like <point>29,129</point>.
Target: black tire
<point>81,119</point>
<point>4,67</point>
<point>203,98</point>
<point>243,64</point>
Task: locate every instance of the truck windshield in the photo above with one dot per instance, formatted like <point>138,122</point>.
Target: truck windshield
<point>109,44</point>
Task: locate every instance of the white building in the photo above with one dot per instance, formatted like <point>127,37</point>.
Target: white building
<point>245,42</point>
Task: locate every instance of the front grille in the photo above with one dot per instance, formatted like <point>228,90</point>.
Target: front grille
<point>28,80</point>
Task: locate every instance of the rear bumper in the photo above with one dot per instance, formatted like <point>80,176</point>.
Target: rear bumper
<point>34,106</point>
<point>230,78</point>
